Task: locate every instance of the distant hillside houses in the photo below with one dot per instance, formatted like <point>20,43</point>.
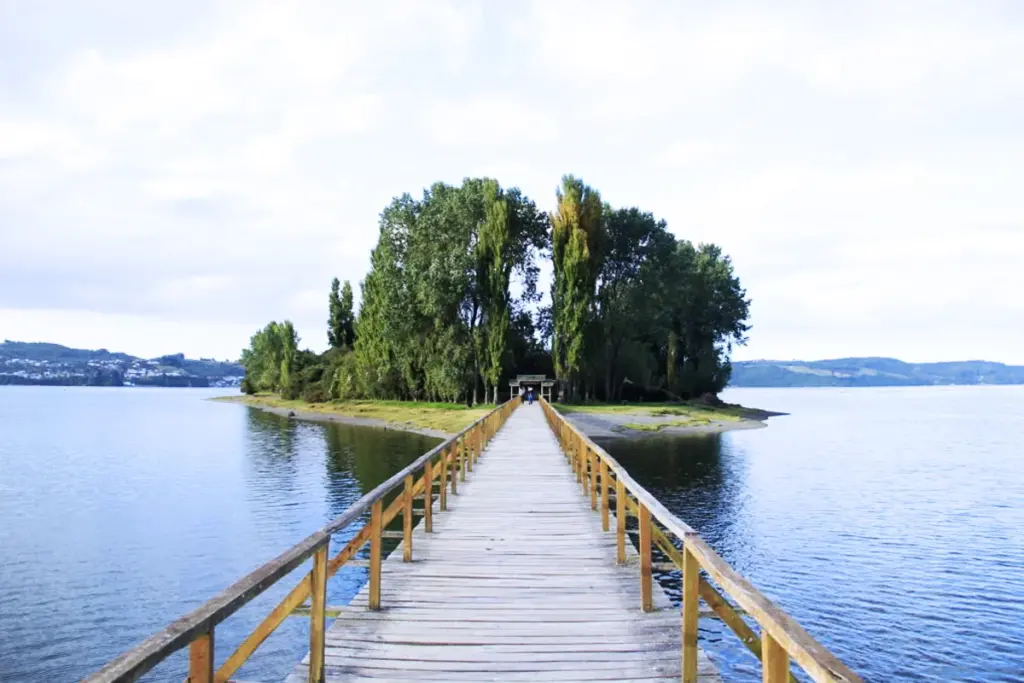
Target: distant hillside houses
<point>53,364</point>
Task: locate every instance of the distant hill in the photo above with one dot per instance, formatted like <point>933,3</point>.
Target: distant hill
<point>53,364</point>
<point>870,372</point>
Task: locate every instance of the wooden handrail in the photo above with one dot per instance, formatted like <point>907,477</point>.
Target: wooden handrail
<point>782,639</point>
<point>196,629</point>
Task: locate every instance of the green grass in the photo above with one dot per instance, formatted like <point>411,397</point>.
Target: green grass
<point>696,412</point>
<point>658,426</point>
<point>445,417</point>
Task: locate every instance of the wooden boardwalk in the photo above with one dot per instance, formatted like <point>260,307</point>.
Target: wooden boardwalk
<point>517,582</point>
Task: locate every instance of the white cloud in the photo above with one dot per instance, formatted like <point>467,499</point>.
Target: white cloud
<point>218,165</point>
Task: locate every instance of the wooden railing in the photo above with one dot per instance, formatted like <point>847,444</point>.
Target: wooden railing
<point>446,464</point>
<point>781,641</point>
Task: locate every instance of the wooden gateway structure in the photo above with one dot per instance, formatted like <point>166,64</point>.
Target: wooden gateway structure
<point>522,383</point>
<point>532,560</point>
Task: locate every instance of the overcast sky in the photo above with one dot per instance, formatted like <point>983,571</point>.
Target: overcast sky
<point>174,175</point>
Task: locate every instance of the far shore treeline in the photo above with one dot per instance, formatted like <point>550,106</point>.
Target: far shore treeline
<point>451,310</point>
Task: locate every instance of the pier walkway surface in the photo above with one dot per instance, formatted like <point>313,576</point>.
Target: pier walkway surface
<point>517,582</point>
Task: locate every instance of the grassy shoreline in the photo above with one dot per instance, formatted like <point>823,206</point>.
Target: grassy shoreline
<point>637,419</point>
<point>445,419</point>
<point>434,419</point>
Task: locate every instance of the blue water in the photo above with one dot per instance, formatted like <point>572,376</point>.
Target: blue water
<point>888,522</point>
<point>121,509</point>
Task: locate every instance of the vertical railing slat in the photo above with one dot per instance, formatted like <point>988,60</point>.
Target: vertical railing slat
<point>463,447</point>
<point>318,615</point>
<point>774,660</point>
<point>605,488</point>
<point>691,611</point>
<point>646,587</point>
<point>620,521</point>
<point>376,522</point>
<point>200,659</point>
<point>442,503</point>
<point>428,497</point>
<point>407,519</point>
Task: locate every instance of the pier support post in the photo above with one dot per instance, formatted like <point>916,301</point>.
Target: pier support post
<point>200,658</point>
<point>376,524</point>
<point>691,611</point>
<point>318,615</point>
<point>620,521</point>
<point>775,660</point>
<point>428,497</point>
<point>463,447</point>
<point>604,496</point>
<point>442,503</point>
<point>646,594</point>
<point>407,520</point>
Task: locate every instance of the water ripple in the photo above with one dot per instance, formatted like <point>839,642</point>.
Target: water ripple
<point>122,509</point>
<point>890,523</point>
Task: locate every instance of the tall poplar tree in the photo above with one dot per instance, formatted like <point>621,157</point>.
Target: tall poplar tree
<point>348,318</point>
<point>576,239</point>
<point>495,270</point>
<point>335,333</point>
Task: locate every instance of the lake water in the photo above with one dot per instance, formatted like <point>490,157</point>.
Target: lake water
<point>121,509</point>
<point>889,522</point>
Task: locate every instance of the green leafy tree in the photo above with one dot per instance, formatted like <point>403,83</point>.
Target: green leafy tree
<point>335,332</point>
<point>270,358</point>
<point>495,270</point>
<point>576,240</point>
<point>341,321</point>
<point>637,254</point>
<point>433,322</point>
<point>707,313</point>
<point>347,316</point>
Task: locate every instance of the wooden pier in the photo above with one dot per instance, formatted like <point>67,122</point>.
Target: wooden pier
<point>517,582</point>
<point>522,568</point>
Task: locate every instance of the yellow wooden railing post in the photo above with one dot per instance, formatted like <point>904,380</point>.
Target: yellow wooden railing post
<point>604,495</point>
<point>407,520</point>
<point>581,452</point>
<point>473,448</point>
<point>376,522</point>
<point>691,611</point>
<point>318,615</point>
<point>200,659</point>
<point>774,660</point>
<point>428,497</point>
<point>646,592</point>
<point>584,465</point>
<point>455,455</point>
<point>593,479</point>
<point>442,503</point>
<point>570,453</point>
<point>462,458</point>
<point>620,521</point>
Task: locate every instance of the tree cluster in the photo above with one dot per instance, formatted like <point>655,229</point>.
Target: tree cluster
<point>450,308</point>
